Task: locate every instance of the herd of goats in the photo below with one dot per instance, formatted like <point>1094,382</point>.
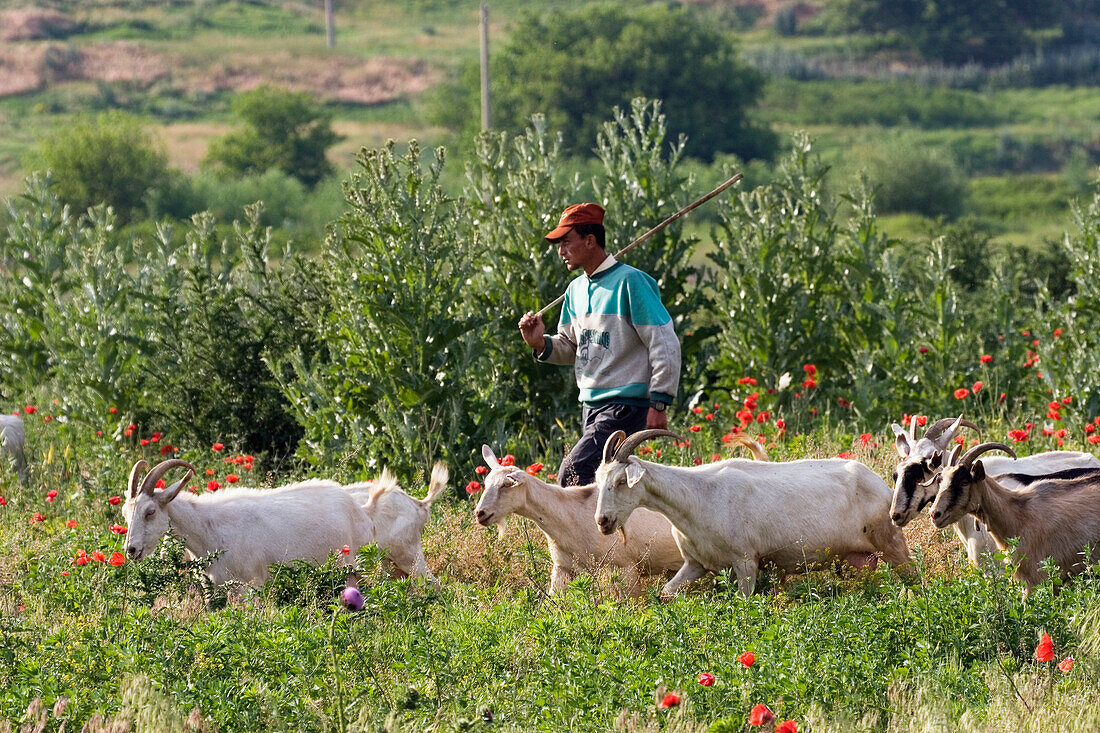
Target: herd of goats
<point>642,517</point>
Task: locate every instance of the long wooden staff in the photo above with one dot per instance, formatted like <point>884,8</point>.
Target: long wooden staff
<point>734,179</point>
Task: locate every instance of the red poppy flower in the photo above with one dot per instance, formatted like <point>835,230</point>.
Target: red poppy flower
<point>99,556</point>
<point>865,439</point>
<point>846,455</point>
<point>1067,400</point>
<point>71,523</point>
<point>345,550</point>
<point>117,558</point>
<point>534,468</point>
<point>763,417</point>
<point>695,428</point>
<point>481,470</point>
<point>746,658</point>
<point>118,529</point>
<point>51,495</point>
<point>697,461</point>
<point>144,442</point>
<point>923,350</point>
<point>1045,651</point>
<point>747,380</point>
<point>670,700</point>
<point>213,485</point>
<point>113,410</point>
<point>217,447</point>
<point>715,457</point>
<point>232,478</point>
<point>3,501</point>
<point>1094,439</point>
<point>508,460</point>
<point>809,383</point>
<point>781,424</point>
<point>1057,332</point>
<point>977,387</point>
<point>114,500</point>
<point>697,410</point>
<point>787,726</point>
<point>760,715</point>
<point>1066,664</point>
<point>159,484</point>
<point>473,487</point>
<point>708,416</point>
<point>30,409</point>
<point>706,679</point>
<point>809,369</point>
<point>38,517</point>
<point>986,358</point>
<point>961,392</point>
<point>1018,436</point>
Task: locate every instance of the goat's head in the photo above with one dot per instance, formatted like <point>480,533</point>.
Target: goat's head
<point>505,491</point>
<point>619,477</point>
<point>921,461</point>
<point>959,491</point>
<point>144,507</point>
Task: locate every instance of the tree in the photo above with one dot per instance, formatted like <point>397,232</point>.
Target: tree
<point>286,130</point>
<point>576,67</point>
<point>954,31</point>
<point>107,158</point>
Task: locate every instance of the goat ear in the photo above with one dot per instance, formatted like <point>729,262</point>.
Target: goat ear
<point>490,457</point>
<point>901,440</point>
<point>634,473</point>
<point>170,493</point>
<point>936,459</point>
<point>977,471</point>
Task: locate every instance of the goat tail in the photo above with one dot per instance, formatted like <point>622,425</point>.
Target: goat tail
<point>436,485</point>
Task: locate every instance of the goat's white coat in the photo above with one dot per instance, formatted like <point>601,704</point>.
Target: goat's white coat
<point>736,513</point>
<point>252,528</point>
<point>564,514</point>
<point>13,442</point>
<point>399,519</point>
<point>1053,518</point>
<point>979,543</point>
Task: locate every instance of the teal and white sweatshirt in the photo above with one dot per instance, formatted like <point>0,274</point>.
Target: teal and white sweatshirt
<point>618,336</point>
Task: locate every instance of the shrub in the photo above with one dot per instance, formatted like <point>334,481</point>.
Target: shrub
<point>285,130</point>
<point>919,180</point>
<point>109,158</point>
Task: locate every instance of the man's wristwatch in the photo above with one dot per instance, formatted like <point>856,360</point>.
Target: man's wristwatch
<point>658,406</point>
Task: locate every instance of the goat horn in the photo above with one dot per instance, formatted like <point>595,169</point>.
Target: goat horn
<point>627,447</point>
<point>973,453</point>
<point>953,459</point>
<point>937,428</point>
<point>133,482</point>
<point>913,430</point>
<point>159,470</point>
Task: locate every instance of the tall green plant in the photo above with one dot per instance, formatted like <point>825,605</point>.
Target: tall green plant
<point>396,384</point>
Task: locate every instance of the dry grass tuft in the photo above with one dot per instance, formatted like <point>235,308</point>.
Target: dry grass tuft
<point>34,24</point>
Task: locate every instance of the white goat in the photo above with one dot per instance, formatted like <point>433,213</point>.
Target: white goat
<point>921,461</point>
<point>251,528</point>
<point>564,514</point>
<point>1055,517</point>
<point>12,442</point>
<point>736,513</point>
<point>399,519</point>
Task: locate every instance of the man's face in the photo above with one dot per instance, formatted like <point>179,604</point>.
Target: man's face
<point>573,249</point>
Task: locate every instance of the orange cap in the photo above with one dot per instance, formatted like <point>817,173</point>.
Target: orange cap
<point>574,215</point>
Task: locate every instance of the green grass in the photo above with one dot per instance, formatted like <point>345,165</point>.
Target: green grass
<point>832,652</point>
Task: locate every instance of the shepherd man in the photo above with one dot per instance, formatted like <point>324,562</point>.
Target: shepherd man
<point>618,336</point>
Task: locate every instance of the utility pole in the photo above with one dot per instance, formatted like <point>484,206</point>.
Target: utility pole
<point>330,25</point>
<point>486,121</point>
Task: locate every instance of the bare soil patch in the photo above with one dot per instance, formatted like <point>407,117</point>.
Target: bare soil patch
<point>29,67</point>
<point>34,24</point>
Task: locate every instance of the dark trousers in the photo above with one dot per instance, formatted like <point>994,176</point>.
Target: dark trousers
<point>579,467</point>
